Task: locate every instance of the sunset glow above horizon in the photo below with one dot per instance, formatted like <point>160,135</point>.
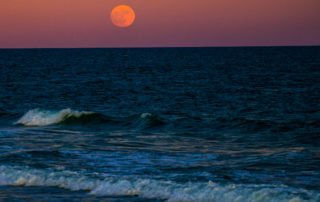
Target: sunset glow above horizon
<point>86,23</point>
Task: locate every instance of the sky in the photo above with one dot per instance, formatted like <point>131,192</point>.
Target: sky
<point>159,23</point>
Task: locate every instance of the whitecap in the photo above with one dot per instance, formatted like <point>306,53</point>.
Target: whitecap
<point>38,117</point>
<point>152,188</point>
<point>145,115</point>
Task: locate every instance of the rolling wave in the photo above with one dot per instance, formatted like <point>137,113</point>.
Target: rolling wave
<point>151,188</point>
<point>39,117</point>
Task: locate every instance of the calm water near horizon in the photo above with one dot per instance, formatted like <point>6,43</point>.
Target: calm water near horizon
<point>160,124</point>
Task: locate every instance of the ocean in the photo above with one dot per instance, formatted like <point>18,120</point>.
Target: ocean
<point>160,124</point>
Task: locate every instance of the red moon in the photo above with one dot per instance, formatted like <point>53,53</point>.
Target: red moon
<point>122,16</point>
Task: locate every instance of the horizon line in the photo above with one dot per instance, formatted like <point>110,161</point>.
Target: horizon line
<point>154,47</point>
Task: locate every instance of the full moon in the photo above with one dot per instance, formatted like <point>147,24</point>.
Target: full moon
<point>122,16</point>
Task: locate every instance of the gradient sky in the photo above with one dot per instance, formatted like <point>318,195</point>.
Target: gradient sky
<point>86,23</point>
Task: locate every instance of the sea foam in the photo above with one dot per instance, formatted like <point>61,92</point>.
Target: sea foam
<point>152,188</point>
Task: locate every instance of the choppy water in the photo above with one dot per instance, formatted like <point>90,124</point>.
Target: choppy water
<point>176,124</point>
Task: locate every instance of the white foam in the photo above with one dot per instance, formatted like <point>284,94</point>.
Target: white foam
<point>145,115</point>
<point>38,117</point>
<point>151,188</point>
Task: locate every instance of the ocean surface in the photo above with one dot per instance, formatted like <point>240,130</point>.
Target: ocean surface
<point>160,124</point>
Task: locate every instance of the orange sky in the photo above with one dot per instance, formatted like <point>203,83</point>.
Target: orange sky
<point>86,23</point>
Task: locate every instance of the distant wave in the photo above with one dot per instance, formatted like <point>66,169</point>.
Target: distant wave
<point>151,188</point>
<point>40,117</point>
<point>152,120</point>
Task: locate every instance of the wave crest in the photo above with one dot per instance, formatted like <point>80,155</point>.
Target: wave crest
<point>152,120</point>
<point>39,117</point>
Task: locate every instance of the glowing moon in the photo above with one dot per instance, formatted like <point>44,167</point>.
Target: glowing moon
<point>122,16</point>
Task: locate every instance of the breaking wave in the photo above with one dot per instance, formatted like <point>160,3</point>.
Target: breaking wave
<point>39,117</point>
<point>152,188</point>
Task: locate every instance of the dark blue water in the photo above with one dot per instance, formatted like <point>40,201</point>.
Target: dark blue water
<point>167,124</point>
